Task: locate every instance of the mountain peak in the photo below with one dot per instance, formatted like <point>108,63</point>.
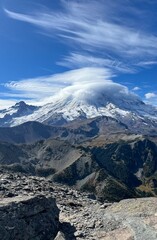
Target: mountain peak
<point>20,104</point>
<point>12,114</point>
<point>111,100</point>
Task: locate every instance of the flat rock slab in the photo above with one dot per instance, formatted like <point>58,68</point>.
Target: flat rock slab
<point>136,219</point>
<point>135,207</point>
<point>131,219</point>
<point>28,218</point>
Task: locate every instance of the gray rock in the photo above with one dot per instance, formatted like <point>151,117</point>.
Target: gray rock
<point>80,218</point>
<point>28,218</point>
<point>60,236</point>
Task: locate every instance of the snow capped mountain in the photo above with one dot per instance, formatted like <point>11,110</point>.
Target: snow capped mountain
<point>19,110</point>
<point>113,100</point>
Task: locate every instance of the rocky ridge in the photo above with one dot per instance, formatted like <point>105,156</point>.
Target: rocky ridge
<point>81,216</point>
<point>112,171</point>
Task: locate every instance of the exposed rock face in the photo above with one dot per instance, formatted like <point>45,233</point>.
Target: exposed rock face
<point>136,217</point>
<point>81,217</point>
<point>28,217</point>
<point>132,219</point>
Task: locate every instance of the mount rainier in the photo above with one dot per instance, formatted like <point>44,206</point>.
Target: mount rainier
<point>119,104</point>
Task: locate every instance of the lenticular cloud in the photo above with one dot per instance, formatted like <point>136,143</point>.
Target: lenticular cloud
<point>85,84</point>
<point>91,84</point>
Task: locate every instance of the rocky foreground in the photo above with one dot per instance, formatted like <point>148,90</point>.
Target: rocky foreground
<point>28,211</point>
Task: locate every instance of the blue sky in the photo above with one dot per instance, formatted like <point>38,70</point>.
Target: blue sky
<point>45,45</point>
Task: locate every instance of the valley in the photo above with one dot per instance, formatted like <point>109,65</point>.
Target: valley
<point>112,167</point>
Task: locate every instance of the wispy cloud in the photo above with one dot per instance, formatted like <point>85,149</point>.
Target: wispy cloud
<point>146,63</point>
<point>75,60</point>
<point>103,37</point>
<point>102,28</point>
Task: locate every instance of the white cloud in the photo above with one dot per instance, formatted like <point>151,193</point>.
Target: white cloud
<point>136,88</point>
<point>81,83</point>
<point>103,28</point>
<point>146,63</point>
<point>150,95</point>
<point>151,98</point>
<point>107,40</point>
<point>5,103</point>
<point>42,88</point>
<point>75,60</point>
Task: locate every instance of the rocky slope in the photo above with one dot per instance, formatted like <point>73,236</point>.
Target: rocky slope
<point>80,217</point>
<point>112,170</point>
<point>76,131</point>
<point>28,132</point>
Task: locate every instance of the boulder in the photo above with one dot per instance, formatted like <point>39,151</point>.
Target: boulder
<point>28,217</point>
